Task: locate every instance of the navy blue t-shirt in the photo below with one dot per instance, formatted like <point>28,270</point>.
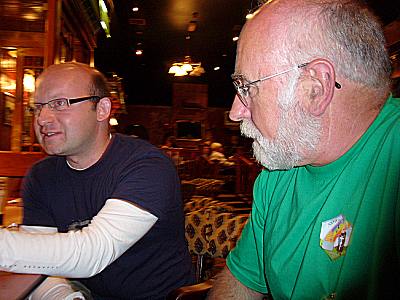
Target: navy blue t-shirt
<point>133,170</point>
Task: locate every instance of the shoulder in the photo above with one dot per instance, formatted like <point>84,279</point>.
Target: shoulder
<point>387,124</point>
<point>46,164</point>
<point>134,146</point>
<point>391,110</point>
<point>45,171</point>
<point>128,150</point>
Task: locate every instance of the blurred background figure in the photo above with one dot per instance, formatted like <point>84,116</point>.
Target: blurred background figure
<point>217,155</point>
<point>205,150</point>
<point>170,142</point>
<point>171,149</point>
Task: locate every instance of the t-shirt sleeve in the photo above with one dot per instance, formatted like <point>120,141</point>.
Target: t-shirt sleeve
<point>246,260</point>
<point>151,183</point>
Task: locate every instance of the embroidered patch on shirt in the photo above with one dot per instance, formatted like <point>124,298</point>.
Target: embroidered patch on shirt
<point>335,236</point>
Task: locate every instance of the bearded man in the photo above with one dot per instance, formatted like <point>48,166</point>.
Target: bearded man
<point>313,91</point>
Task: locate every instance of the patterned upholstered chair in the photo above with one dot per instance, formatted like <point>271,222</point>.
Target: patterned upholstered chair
<point>197,203</point>
<point>198,232</point>
<point>210,235</point>
<point>226,229</point>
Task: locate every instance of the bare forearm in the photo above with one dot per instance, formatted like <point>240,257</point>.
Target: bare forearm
<point>228,287</point>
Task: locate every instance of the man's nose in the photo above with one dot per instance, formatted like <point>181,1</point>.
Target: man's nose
<point>238,111</point>
<point>45,115</point>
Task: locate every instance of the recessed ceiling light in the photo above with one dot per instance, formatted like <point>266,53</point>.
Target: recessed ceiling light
<point>135,9</point>
<point>235,38</point>
<point>216,68</point>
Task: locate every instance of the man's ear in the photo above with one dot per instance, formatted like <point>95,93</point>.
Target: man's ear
<point>103,109</point>
<point>320,87</point>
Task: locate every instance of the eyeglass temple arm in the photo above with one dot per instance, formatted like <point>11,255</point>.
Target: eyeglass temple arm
<point>337,84</point>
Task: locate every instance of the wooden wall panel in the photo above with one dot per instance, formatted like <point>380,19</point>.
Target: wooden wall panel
<point>16,164</point>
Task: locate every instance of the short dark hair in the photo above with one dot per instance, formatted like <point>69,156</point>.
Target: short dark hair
<point>99,85</point>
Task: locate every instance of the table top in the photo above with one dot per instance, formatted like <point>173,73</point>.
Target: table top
<point>18,286</point>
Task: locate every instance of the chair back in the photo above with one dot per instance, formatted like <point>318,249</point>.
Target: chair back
<point>211,233</point>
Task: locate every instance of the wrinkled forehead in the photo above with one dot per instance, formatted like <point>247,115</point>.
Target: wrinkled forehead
<point>62,81</point>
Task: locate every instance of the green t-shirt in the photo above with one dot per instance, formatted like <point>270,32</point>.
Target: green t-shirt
<point>281,241</point>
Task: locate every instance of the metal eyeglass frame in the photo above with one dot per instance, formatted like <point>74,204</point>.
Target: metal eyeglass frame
<point>242,85</point>
<point>52,104</point>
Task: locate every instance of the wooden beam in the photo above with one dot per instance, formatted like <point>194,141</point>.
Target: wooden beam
<point>21,39</point>
<point>53,28</point>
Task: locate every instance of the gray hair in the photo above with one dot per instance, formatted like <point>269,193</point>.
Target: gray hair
<point>345,32</point>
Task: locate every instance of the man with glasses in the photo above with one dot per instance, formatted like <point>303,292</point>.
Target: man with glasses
<point>313,91</point>
<point>104,210</point>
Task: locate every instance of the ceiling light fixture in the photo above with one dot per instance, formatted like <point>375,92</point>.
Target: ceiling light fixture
<point>113,122</point>
<point>186,67</point>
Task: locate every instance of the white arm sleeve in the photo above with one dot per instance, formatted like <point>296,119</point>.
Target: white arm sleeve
<point>76,254</point>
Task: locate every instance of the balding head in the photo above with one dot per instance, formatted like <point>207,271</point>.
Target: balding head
<point>71,80</point>
<point>314,74</point>
<point>344,32</point>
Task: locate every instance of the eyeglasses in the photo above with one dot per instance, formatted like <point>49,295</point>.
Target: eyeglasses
<point>60,104</point>
<point>242,85</point>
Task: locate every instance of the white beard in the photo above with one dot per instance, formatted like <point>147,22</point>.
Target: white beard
<point>298,135</point>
